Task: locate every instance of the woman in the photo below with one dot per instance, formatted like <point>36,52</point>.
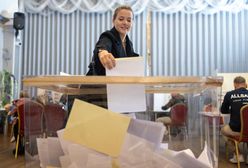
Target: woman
<point>113,43</point>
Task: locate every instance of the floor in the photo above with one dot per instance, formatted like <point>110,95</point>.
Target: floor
<point>7,159</point>
<point>223,163</point>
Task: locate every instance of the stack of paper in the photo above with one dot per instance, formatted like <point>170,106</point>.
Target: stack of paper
<point>186,158</point>
<point>97,138</point>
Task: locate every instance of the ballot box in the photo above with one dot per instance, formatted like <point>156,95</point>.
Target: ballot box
<point>108,121</point>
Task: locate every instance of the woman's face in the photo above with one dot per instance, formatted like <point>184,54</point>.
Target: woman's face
<point>123,21</point>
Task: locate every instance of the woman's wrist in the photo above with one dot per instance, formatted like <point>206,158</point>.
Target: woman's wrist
<point>106,59</point>
<point>102,52</point>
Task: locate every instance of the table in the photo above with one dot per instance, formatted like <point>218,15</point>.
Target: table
<point>214,116</point>
<point>156,114</point>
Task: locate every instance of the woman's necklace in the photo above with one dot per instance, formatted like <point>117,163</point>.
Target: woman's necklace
<point>124,45</point>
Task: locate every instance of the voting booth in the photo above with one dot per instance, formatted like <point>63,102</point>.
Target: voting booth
<point>108,121</point>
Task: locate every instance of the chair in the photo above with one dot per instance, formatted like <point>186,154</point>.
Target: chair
<point>243,137</point>
<point>20,135</point>
<point>54,116</point>
<point>34,118</point>
<point>30,116</point>
<point>178,118</point>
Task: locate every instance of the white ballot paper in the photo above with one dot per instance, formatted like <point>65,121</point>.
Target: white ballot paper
<point>49,151</point>
<point>129,97</point>
<point>42,152</point>
<point>186,158</point>
<point>65,161</point>
<point>151,131</point>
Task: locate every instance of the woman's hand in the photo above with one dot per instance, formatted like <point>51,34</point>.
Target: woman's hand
<point>107,59</point>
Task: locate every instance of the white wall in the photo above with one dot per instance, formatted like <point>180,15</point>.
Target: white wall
<point>1,48</point>
<point>9,6</point>
<point>160,99</point>
<point>8,48</point>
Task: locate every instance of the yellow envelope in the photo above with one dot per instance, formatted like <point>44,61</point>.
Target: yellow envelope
<point>96,128</point>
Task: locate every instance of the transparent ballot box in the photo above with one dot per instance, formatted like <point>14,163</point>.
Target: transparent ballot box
<point>115,121</point>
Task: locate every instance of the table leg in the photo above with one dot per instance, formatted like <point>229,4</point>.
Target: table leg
<point>214,139</point>
<point>201,132</point>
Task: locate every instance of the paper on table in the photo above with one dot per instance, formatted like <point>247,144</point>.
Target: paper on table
<point>131,97</point>
<point>64,74</point>
<point>96,128</point>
